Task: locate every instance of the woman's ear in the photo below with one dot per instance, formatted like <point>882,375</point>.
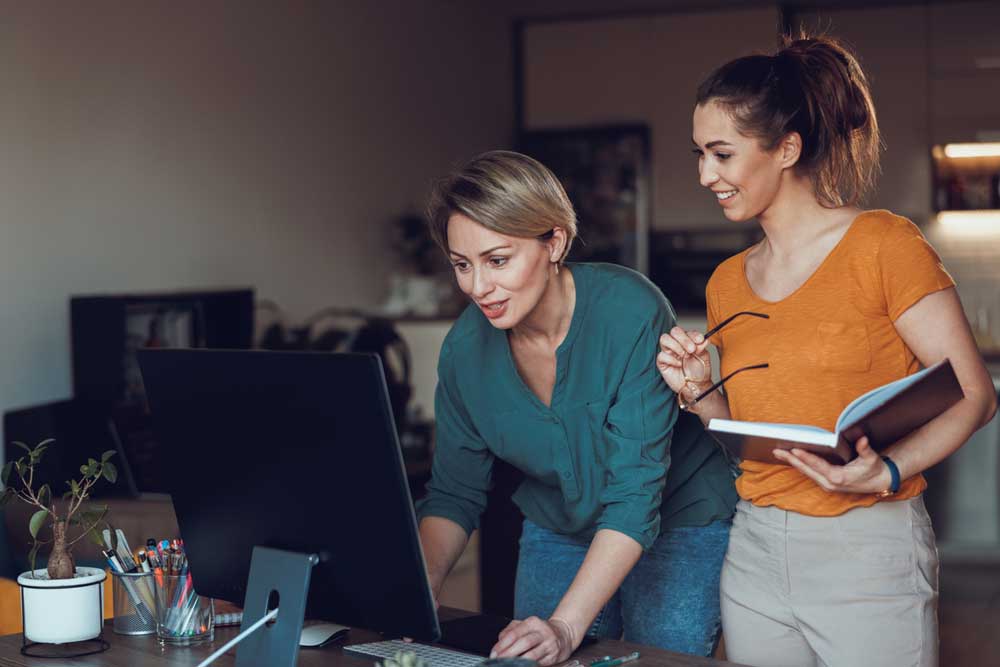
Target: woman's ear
<point>790,150</point>
<point>557,244</point>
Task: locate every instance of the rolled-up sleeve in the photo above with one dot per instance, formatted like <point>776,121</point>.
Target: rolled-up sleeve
<point>461,473</point>
<point>638,429</point>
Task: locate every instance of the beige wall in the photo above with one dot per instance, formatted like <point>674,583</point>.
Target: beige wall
<point>161,145</point>
<point>645,69</point>
<point>892,45</point>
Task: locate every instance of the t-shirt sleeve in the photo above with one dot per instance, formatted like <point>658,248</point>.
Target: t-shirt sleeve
<point>909,268</point>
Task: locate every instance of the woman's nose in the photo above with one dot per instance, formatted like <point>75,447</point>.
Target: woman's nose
<point>707,175</point>
<point>481,283</point>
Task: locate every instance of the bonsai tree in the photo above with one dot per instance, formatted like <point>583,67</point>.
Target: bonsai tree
<point>66,516</point>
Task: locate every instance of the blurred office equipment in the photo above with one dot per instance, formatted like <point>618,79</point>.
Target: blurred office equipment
<point>80,432</point>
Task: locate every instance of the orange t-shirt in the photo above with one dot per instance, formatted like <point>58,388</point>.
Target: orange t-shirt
<point>827,343</point>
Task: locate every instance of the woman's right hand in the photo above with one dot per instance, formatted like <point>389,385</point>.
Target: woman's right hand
<point>684,362</point>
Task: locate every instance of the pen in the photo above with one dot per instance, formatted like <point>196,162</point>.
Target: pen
<point>137,601</point>
<point>608,661</point>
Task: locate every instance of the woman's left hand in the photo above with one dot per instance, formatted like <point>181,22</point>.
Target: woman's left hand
<point>546,642</point>
<point>868,473</point>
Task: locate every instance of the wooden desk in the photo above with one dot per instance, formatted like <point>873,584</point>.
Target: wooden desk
<point>143,651</point>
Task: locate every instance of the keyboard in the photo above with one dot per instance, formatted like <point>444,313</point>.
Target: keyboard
<point>432,655</point>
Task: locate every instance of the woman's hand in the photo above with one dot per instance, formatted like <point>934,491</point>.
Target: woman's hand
<point>868,473</point>
<point>546,642</point>
<point>683,355</point>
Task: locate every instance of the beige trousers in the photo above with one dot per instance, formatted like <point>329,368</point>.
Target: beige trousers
<point>856,590</point>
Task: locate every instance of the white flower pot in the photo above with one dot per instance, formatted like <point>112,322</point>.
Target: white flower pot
<point>60,611</point>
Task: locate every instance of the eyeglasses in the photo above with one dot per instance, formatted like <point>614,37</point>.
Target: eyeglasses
<point>696,370</point>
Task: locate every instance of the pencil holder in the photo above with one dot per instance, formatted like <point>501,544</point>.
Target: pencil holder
<point>135,606</point>
<point>182,616</point>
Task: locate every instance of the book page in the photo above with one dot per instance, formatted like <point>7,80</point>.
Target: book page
<point>871,400</point>
<point>795,432</point>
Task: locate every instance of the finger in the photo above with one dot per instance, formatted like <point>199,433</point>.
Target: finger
<point>504,638</point>
<point>541,652</point>
<point>817,463</point>
<point>682,338</point>
<point>529,640</point>
<point>668,359</point>
<point>512,634</point>
<point>864,448</point>
<point>697,338</point>
<point>670,344</point>
<point>803,468</point>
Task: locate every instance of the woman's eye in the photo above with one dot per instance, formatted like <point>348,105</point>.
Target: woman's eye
<point>498,261</point>
<point>723,156</point>
<point>461,266</point>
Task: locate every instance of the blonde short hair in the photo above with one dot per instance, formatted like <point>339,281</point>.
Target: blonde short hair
<point>505,192</point>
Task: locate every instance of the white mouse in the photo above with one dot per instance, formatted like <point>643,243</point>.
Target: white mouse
<point>321,633</point>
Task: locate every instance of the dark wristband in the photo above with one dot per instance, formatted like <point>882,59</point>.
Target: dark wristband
<point>894,474</point>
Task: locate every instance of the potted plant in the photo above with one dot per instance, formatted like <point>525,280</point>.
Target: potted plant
<point>62,603</point>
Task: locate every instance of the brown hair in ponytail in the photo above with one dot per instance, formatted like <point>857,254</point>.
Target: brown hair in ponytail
<point>813,86</point>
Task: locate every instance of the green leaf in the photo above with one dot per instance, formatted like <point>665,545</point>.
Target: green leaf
<point>74,488</point>
<point>36,522</point>
<point>95,537</point>
<point>45,443</point>
<point>83,470</point>
<point>5,475</point>
<point>107,455</point>
<point>110,472</point>
<point>31,557</point>
<point>23,446</point>
<point>91,468</point>
<point>91,515</point>
<point>6,496</point>
<point>45,495</point>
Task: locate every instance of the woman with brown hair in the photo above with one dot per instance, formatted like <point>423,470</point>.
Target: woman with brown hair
<point>627,504</point>
<point>827,564</point>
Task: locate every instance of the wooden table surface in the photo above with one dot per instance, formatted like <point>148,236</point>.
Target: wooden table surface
<point>142,651</point>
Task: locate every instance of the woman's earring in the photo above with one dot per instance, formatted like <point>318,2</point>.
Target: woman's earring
<point>557,268</point>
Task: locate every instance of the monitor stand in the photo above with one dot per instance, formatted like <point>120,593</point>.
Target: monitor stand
<point>286,574</point>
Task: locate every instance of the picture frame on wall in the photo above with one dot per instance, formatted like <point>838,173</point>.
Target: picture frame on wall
<point>606,173</point>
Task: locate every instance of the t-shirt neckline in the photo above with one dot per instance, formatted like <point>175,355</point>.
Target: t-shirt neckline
<point>812,276</point>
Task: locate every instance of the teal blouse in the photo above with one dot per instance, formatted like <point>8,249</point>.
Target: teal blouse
<point>609,452</point>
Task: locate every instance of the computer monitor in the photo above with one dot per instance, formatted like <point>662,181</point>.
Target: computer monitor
<point>296,451</point>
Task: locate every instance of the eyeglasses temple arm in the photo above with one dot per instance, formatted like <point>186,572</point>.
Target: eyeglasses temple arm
<point>723,381</point>
<point>733,317</point>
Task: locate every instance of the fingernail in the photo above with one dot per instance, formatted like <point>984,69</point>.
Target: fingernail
<point>493,654</point>
<point>690,349</point>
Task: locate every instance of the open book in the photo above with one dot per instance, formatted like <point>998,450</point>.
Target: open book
<point>885,414</point>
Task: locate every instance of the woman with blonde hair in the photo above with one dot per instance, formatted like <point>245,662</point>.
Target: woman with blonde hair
<point>827,564</point>
<point>627,507</point>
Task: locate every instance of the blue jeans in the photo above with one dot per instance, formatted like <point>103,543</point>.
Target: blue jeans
<point>670,599</point>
